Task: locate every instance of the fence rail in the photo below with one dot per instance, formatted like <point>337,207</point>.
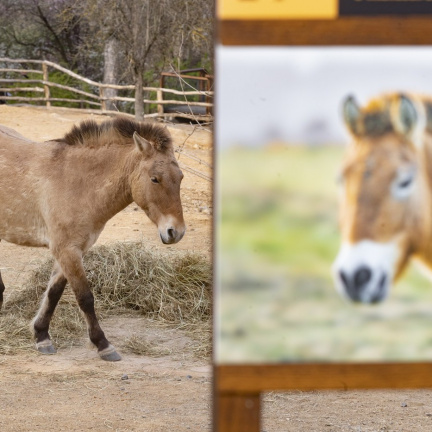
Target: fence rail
<point>93,93</point>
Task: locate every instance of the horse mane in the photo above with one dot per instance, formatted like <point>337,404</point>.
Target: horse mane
<point>91,134</point>
<point>376,119</point>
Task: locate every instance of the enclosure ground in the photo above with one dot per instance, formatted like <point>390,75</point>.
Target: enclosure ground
<point>75,391</point>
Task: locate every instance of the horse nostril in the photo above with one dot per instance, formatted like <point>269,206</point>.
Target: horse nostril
<point>354,284</point>
<point>171,233</point>
<point>362,276</point>
<point>344,278</point>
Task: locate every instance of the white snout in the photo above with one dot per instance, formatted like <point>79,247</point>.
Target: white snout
<point>171,231</point>
<point>364,271</point>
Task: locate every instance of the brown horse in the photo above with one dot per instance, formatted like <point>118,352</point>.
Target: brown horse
<point>386,209</point>
<point>60,194</point>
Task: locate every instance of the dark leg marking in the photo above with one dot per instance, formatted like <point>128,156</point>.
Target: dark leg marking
<point>2,288</point>
<point>71,263</point>
<point>97,336</point>
<point>49,302</point>
<point>105,349</point>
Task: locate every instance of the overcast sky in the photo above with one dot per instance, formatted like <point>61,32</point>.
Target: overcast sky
<point>295,94</point>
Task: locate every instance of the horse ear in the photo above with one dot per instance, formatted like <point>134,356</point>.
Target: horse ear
<point>143,145</point>
<point>351,114</point>
<point>403,113</point>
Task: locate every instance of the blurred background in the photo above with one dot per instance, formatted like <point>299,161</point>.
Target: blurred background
<point>280,141</point>
<point>294,94</point>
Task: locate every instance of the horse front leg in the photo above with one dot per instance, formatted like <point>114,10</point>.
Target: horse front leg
<point>41,322</point>
<point>71,264</point>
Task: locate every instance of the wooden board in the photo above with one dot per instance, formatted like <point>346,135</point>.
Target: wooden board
<point>343,31</point>
<point>237,387</point>
<point>252,379</point>
<point>238,412</point>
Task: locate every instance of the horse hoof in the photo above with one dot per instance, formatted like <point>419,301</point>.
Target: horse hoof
<point>110,354</point>
<point>46,348</point>
<point>112,357</point>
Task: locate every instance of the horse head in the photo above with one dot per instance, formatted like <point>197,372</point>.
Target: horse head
<point>155,187</point>
<point>385,189</point>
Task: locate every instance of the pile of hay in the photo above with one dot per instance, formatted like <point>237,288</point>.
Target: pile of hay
<point>172,287</point>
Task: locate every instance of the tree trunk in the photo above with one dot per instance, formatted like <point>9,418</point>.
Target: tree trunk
<point>139,97</point>
<point>110,70</point>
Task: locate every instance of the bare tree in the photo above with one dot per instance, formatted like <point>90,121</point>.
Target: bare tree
<point>111,57</point>
<point>50,29</point>
<point>118,40</point>
<point>144,29</point>
<point>149,31</point>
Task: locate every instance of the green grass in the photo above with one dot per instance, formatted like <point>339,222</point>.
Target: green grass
<point>278,237</point>
<point>279,206</point>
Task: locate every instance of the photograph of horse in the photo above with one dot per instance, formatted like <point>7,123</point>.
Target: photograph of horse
<point>59,194</point>
<point>386,202</point>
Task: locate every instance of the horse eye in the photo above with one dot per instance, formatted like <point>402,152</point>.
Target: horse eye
<point>154,180</point>
<point>405,179</point>
<point>402,186</point>
<point>405,183</point>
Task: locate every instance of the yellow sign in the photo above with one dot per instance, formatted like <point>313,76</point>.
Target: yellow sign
<point>277,9</point>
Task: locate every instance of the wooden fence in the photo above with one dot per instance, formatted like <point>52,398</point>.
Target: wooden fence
<point>15,78</point>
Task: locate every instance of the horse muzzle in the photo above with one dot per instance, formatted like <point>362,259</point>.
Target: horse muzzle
<point>171,235</point>
<point>363,271</point>
<point>362,286</point>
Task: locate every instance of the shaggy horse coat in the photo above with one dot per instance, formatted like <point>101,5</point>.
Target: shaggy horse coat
<point>60,194</point>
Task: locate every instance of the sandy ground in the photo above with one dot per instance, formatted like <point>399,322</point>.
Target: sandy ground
<point>75,391</point>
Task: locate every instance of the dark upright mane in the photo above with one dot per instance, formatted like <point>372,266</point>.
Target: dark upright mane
<point>375,122</point>
<point>89,133</point>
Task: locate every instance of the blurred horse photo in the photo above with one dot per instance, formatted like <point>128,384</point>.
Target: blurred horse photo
<point>386,198</point>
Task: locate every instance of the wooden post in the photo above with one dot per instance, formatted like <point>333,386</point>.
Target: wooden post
<point>159,97</point>
<point>237,413</point>
<point>46,86</point>
<point>102,98</point>
<point>234,411</point>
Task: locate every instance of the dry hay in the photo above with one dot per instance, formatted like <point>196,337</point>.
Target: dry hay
<point>172,288</point>
<point>141,346</point>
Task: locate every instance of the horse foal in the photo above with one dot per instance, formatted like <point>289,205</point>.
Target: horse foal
<point>60,194</point>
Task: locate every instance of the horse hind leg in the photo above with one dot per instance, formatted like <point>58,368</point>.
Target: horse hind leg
<point>2,288</point>
<point>72,266</point>
<point>41,322</point>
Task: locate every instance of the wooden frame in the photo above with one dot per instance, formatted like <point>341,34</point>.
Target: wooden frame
<point>237,388</point>
<point>413,30</point>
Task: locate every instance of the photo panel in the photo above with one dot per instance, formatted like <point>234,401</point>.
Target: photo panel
<point>319,184</point>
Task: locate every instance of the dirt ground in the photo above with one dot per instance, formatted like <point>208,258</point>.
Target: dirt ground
<point>75,391</point>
